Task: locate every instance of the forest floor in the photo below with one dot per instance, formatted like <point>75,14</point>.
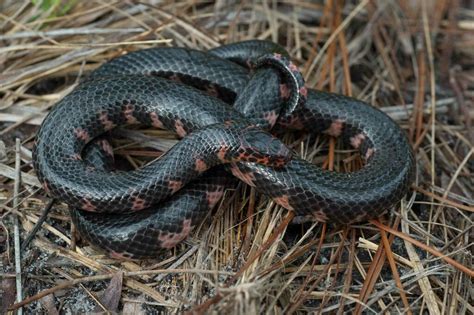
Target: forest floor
<point>411,59</point>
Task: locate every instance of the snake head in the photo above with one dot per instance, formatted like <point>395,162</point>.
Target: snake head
<point>259,146</point>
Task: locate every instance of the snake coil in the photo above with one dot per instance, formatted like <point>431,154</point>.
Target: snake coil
<point>219,102</point>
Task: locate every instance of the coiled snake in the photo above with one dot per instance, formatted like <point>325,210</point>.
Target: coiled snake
<point>220,108</point>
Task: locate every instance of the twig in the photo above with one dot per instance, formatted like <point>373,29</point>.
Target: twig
<point>38,224</point>
<point>444,200</point>
<point>70,283</point>
<point>373,273</point>
<point>16,228</point>
<point>429,249</point>
<point>395,274</point>
<point>333,36</point>
<point>70,31</point>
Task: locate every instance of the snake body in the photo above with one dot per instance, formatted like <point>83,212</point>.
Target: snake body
<point>171,193</point>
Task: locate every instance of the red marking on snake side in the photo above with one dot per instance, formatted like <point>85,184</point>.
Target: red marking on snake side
<point>369,153</point>
<point>271,117</point>
<point>106,147</point>
<point>170,240</point>
<point>284,91</point>
<point>76,157</point>
<point>175,185</point>
<point>46,188</point>
<point>138,204</point>
<point>81,134</point>
<point>320,216</point>
<point>336,128</point>
<point>247,178</point>
<point>293,67</point>
<point>304,91</point>
<point>88,206</point>
<point>128,113</point>
<point>105,121</point>
<point>179,127</point>
<point>213,197</point>
<point>155,120</point>
<point>222,153</point>
<point>293,122</point>
<point>284,202</point>
<point>201,166</point>
<point>357,140</point>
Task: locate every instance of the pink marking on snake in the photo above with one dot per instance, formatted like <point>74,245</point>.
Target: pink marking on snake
<point>76,157</point>
<point>247,178</point>
<point>46,187</point>
<point>81,134</point>
<point>304,91</point>
<point>138,204</point>
<point>284,91</point>
<point>369,153</point>
<point>320,216</point>
<point>155,121</point>
<point>284,202</point>
<point>336,128</point>
<point>271,117</point>
<point>293,67</point>
<point>277,56</point>
<point>293,123</point>
<point>128,113</point>
<point>200,165</point>
<point>106,148</point>
<point>222,153</point>
<point>357,140</point>
<point>105,121</point>
<point>179,127</point>
<point>213,197</point>
<point>170,240</point>
<point>175,185</point>
<point>88,206</point>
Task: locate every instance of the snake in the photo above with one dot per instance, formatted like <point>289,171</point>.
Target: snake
<point>227,104</point>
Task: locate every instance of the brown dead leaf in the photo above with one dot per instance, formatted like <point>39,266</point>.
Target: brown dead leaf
<point>111,297</point>
<point>7,289</point>
<point>48,304</point>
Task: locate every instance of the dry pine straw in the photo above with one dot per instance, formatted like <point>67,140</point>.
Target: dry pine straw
<point>410,58</point>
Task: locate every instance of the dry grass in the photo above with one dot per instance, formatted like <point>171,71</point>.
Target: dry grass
<point>413,59</point>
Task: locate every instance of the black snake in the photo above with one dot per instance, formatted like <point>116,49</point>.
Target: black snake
<point>220,107</point>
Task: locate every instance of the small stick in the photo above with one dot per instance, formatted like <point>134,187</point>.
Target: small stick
<point>429,249</point>
<point>16,228</point>
<point>70,31</point>
<point>38,225</point>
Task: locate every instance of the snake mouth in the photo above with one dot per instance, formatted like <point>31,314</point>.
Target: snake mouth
<point>283,155</point>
